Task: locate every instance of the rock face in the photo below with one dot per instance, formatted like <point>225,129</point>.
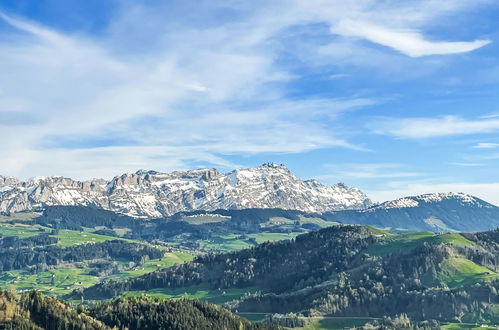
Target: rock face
<point>152,194</point>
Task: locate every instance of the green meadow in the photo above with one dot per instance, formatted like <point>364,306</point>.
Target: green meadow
<point>408,242</point>
<point>201,292</point>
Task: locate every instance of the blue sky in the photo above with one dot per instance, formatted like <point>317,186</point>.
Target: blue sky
<point>394,97</point>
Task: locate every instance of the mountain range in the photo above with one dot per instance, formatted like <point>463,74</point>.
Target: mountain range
<point>151,194</point>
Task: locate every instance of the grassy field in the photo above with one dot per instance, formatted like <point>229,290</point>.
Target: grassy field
<point>458,272</point>
<point>57,281</point>
<point>64,280</point>
<point>265,237</point>
<point>458,326</point>
<point>452,238</point>
<point>408,242</point>
<point>254,317</point>
<point>201,219</point>
<point>201,292</point>
<point>323,323</point>
<point>66,237</point>
<point>71,237</point>
<point>234,242</point>
<point>286,223</point>
<point>225,243</point>
<point>21,231</point>
<point>168,260</point>
<point>377,231</point>
<point>19,216</point>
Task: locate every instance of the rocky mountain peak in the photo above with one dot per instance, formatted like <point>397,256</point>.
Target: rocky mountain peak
<point>273,165</point>
<point>147,193</point>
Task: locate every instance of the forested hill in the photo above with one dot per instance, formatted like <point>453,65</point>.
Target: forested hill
<point>276,266</point>
<point>347,271</point>
<point>33,311</point>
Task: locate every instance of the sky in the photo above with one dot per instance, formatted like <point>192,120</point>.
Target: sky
<point>394,97</point>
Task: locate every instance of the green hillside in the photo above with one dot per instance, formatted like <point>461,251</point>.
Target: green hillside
<point>458,272</point>
<point>408,242</point>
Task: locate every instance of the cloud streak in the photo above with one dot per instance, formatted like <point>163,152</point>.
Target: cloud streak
<point>410,43</point>
<point>486,145</point>
<point>367,171</point>
<point>423,128</point>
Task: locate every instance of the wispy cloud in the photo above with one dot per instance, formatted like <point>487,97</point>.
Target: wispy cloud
<point>492,115</point>
<point>467,164</point>
<point>421,128</point>
<point>410,43</point>
<point>366,171</point>
<point>486,145</point>
<point>193,103</point>
<point>179,91</point>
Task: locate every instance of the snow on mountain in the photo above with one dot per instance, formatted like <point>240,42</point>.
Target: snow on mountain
<point>415,201</point>
<point>435,212</point>
<point>154,194</point>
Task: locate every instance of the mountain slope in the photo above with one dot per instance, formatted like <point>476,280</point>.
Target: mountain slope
<point>435,212</point>
<point>154,194</point>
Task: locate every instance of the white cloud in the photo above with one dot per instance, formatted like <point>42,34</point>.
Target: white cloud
<point>338,76</point>
<point>486,145</point>
<point>410,43</point>
<point>193,99</point>
<point>107,162</point>
<point>366,171</point>
<point>166,92</point>
<point>486,191</point>
<point>421,128</point>
<point>492,115</point>
<point>468,164</point>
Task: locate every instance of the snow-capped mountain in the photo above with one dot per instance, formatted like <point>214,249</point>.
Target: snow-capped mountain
<point>436,212</point>
<point>415,201</point>
<point>154,194</point>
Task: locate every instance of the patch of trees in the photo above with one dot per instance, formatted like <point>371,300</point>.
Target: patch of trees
<point>486,249</point>
<point>33,311</point>
<point>14,242</point>
<point>77,217</point>
<point>401,322</point>
<point>148,313</point>
<point>290,320</point>
<point>52,255</point>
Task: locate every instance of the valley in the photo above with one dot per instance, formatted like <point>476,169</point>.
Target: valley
<point>276,261</point>
<point>437,255</point>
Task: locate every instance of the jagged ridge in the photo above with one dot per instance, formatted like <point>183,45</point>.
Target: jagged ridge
<point>155,194</point>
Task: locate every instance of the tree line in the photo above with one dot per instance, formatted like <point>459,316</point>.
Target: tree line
<point>34,311</point>
<point>50,255</point>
